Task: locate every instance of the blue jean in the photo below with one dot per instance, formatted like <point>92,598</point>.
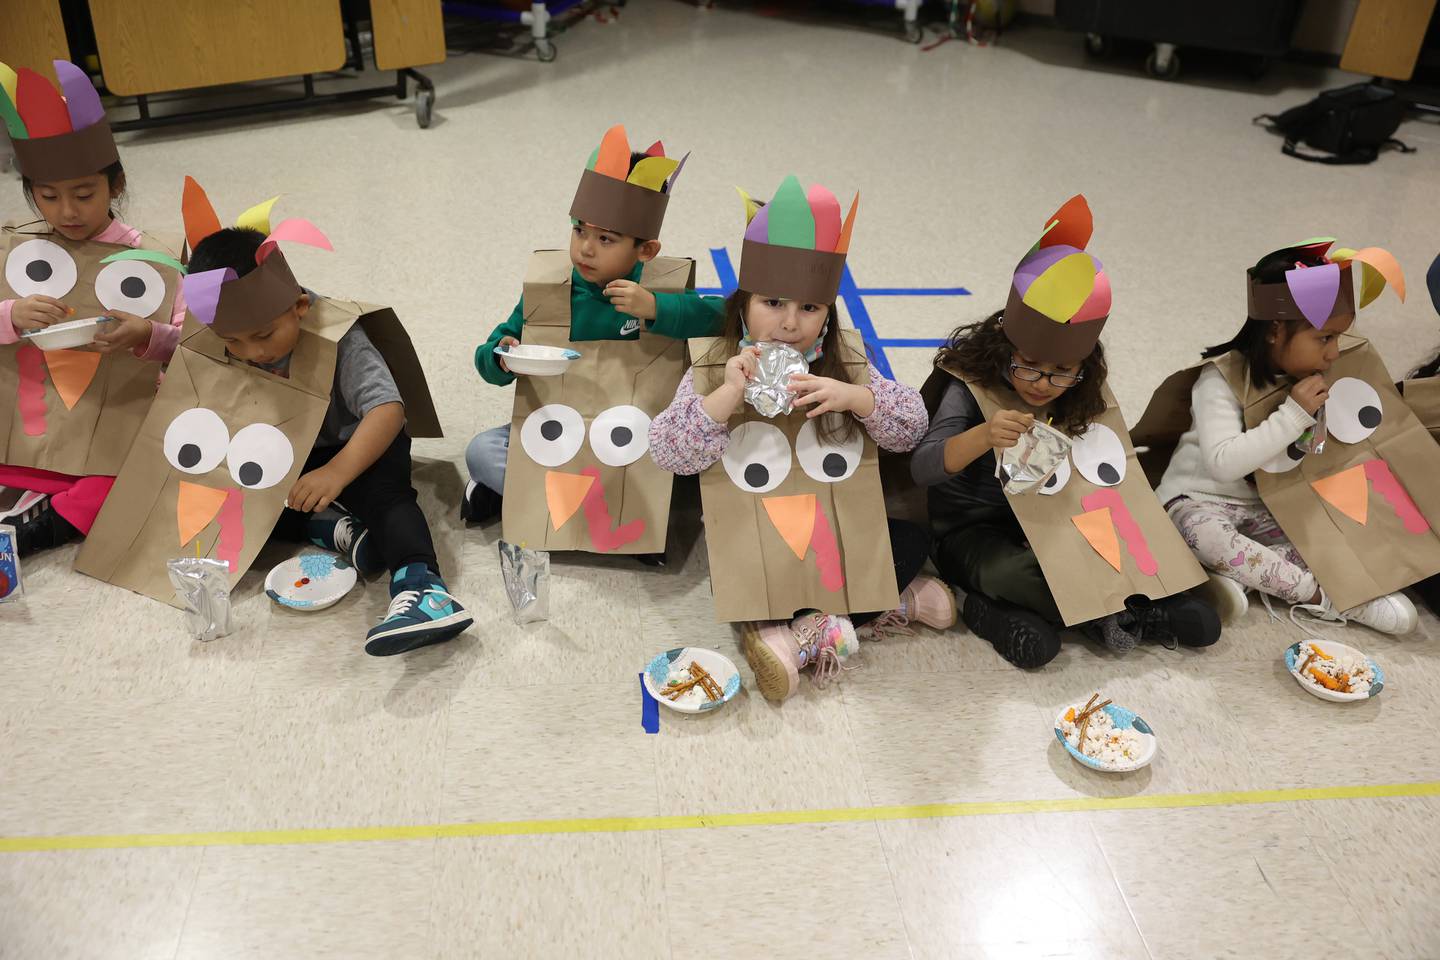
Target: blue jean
<point>485,457</point>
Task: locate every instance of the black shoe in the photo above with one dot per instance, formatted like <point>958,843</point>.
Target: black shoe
<point>1021,636</point>
<point>480,504</point>
<point>651,559</point>
<point>38,527</point>
<point>1181,620</point>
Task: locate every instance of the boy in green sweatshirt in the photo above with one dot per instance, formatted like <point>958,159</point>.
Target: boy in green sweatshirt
<point>607,302</point>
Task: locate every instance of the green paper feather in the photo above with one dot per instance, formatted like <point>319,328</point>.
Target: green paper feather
<point>594,157</point>
<point>11,116</point>
<point>152,256</point>
<point>792,224</point>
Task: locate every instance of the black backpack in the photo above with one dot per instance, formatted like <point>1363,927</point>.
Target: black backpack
<point>1351,124</point>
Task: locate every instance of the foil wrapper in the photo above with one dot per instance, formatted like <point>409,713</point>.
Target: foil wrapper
<point>769,392</point>
<point>1313,439</point>
<point>203,586</point>
<point>1034,458</point>
<point>527,581</point>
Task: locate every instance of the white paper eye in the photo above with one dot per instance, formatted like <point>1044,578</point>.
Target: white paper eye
<point>828,461</point>
<point>1353,410</point>
<point>40,268</point>
<point>1287,460</point>
<point>758,457</point>
<point>196,441</point>
<point>260,456</point>
<point>620,436</point>
<point>1057,480</point>
<point>1099,456</point>
<point>553,434</point>
<point>130,285</point>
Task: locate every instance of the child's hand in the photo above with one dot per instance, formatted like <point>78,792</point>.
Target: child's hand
<point>741,368</point>
<point>315,490</point>
<point>627,296</point>
<point>1311,393</point>
<point>504,342</point>
<point>827,395</point>
<point>38,312</point>
<point>1007,427</point>
<point>125,332</point>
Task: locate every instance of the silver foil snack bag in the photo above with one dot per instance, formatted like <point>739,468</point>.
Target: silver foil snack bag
<point>527,581</point>
<point>1034,459</point>
<point>203,586</point>
<point>769,391</point>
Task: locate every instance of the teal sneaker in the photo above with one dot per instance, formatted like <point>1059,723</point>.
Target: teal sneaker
<point>421,612</point>
<point>348,537</point>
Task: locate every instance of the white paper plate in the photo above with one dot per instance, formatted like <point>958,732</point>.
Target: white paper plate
<point>534,360</point>
<point>1293,661</point>
<point>67,335</point>
<point>657,675</point>
<point>311,581</point>
<point>1123,718</point>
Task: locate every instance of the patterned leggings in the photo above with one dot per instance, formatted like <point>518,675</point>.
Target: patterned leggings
<point>1243,542</point>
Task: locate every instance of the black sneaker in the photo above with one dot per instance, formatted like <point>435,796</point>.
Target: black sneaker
<point>348,537</point>
<point>38,527</point>
<point>480,504</point>
<point>1021,636</point>
<point>1181,620</point>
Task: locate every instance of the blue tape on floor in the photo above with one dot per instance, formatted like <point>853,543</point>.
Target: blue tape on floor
<point>649,709</point>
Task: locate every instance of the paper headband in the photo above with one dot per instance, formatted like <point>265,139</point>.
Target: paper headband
<point>1325,291</point>
<point>795,245</point>
<point>1059,295</point>
<point>58,134</point>
<point>613,196</point>
<point>231,304</point>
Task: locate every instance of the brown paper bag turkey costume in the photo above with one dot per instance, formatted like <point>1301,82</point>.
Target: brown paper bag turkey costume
<point>77,411</point>
<point>1357,511</point>
<point>578,475</point>
<point>224,441</point>
<point>793,522</point>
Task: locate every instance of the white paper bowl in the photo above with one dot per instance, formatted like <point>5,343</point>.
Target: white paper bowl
<point>716,664</point>
<point>67,335</point>
<point>1293,661</point>
<point>330,578</point>
<point>1122,717</point>
<point>534,360</point>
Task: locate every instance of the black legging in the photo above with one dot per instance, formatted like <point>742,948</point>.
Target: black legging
<point>383,500</point>
<point>909,546</point>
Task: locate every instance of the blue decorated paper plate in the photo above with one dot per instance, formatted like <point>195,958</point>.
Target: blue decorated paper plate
<point>671,670</point>
<point>535,360</point>
<point>311,581</point>
<point>1329,657</point>
<point>1126,743</point>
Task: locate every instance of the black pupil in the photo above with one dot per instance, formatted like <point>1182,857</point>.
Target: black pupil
<point>621,436</point>
<point>1369,417</point>
<point>756,475</point>
<point>1051,482</point>
<point>39,270</point>
<point>833,465</point>
<point>189,455</point>
<point>1294,452</point>
<point>1108,473</point>
<point>251,473</point>
<point>133,287</point>
<point>551,429</point>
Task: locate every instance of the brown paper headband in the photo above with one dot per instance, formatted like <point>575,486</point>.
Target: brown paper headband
<point>1042,339</point>
<point>253,301</point>
<point>1274,301</point>
<point>807,276</point>
<point>66,156</point>
<point>619,205</point>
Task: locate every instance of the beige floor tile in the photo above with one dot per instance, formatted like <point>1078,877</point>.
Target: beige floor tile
<point>95,904</point>
<point>945,738</point>
<point>337,758</point>
<point>780,892</point>
<point>579,895</point>
<point>753,755</point>
<point>1226,882</point>
<point>1055,895</point>
<point>519,754</point>
<point>343,900</point>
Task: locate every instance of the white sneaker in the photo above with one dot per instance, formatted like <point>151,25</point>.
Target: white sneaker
<point>1393,613</point>
<point>1225,595</point>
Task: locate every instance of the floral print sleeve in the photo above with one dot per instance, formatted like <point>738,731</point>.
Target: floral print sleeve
<point>683,438</point>
<point>899,420</point>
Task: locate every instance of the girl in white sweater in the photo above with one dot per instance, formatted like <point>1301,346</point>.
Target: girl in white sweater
<point>1208,488</point>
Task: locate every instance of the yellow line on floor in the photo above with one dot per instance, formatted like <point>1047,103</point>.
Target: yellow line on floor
<point>512,828</point>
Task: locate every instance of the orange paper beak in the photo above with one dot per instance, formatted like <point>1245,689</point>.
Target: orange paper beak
<point>794,520</point>
<point>1346,491</point>
<point>1098,529</point>
<point>195,506</point>
<point>564,493</point>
